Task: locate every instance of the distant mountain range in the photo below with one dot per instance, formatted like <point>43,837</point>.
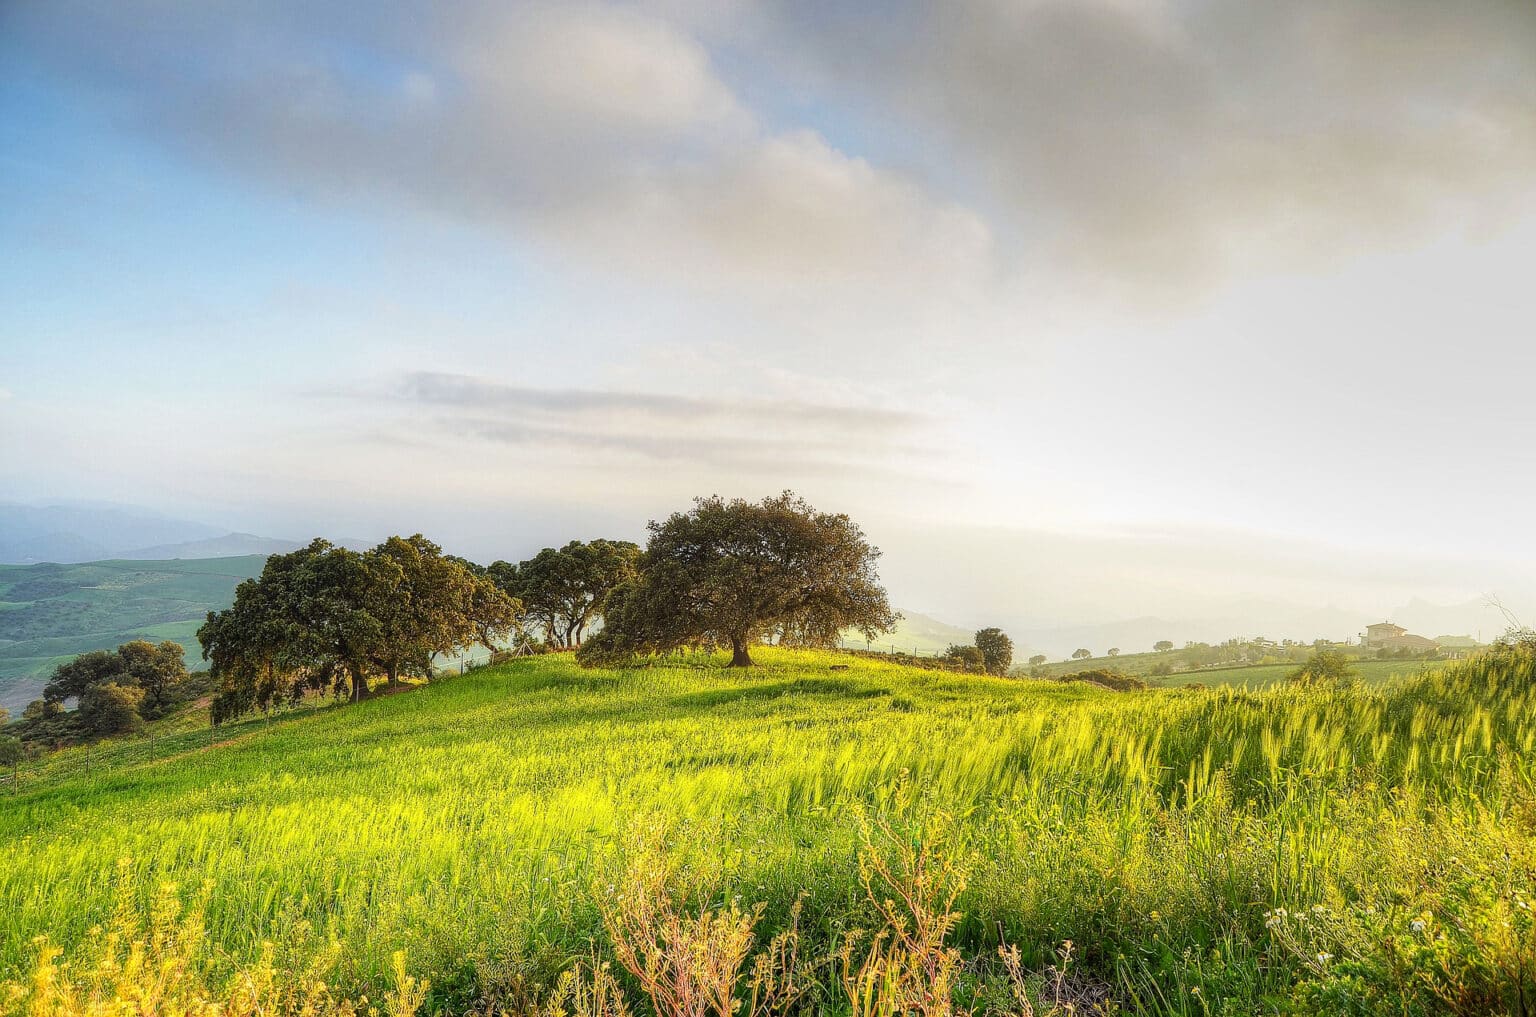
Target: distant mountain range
<point>71,534</point>
<point>228,546</point>
<point>75,533</point>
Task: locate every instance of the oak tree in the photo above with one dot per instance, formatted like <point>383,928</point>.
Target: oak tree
<point>563,590</point>
<point>727,573</point>
<point>996,650</point>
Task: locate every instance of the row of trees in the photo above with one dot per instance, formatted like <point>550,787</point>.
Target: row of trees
<point>562,591</point>
<point>327,617</point>
<point>728,573</point>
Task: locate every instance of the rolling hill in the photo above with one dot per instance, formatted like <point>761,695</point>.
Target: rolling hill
<point>479,825</point>
<point>51,612</point>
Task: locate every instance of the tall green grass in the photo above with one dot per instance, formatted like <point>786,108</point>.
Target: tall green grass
<point>1160,832</point>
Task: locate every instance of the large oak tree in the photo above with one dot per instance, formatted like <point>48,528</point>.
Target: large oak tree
<point>730,573</point>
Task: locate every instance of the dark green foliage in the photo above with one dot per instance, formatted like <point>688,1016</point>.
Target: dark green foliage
<point>1163,645</point>
<point>996,650</point>
<point>109,708</point>
<point>1037,660</point>
<point>730,573</point>
<point>70,680</point>
<point>329,617</point>
<point>1116,680</point>
<point>563,591</point>
<point>969,657</point>
<point>41,710</point>
<point>1324,667</point>
<point>158,669</point>
<point>1082,653</point>
<point>116,690</point>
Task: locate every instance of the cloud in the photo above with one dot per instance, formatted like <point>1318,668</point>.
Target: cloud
<point>600,131</point>
<point>732,434</point>
<point>440,389</point>
<point>1171,143</point>
<point>796,147</point>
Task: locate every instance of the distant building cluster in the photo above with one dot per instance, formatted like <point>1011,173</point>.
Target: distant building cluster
<point>1386,636</point>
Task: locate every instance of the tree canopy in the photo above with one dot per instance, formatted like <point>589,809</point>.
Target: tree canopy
<point>996,650</point>
<point>732,573</point>
<point>1324,667</point>
<point>116,689</point>
<point>969,657</point>
<point>563,591</point>
<point>330,617</point>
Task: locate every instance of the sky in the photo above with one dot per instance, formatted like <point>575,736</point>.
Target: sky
<point>1084,309</point>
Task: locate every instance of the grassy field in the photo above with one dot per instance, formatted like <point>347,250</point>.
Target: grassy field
<point>50,613</point>
<point>1172,836</point>
<point>1248,676</point>
<point>1261,676</point>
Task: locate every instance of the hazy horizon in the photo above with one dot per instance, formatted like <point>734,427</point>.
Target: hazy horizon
<point>1084,311</point>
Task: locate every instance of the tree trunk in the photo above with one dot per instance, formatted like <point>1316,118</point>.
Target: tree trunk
<point>739,655</point>
<point>359,685</point>
<point>394,674</point>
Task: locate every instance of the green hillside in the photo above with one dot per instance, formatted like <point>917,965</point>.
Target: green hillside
<point>1170,835</point>
<point>1259,676</point>
<point>49,613</point>
<point>914,633</point>
<point>1252,676</point>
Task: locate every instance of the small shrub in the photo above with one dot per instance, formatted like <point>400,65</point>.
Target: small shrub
<point>1103,676</point>
<point>691,965</point>
<point>913,882</point>
<point>1325,667</point>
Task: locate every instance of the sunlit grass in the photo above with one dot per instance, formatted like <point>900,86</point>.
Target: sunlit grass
<point>465,823</point>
